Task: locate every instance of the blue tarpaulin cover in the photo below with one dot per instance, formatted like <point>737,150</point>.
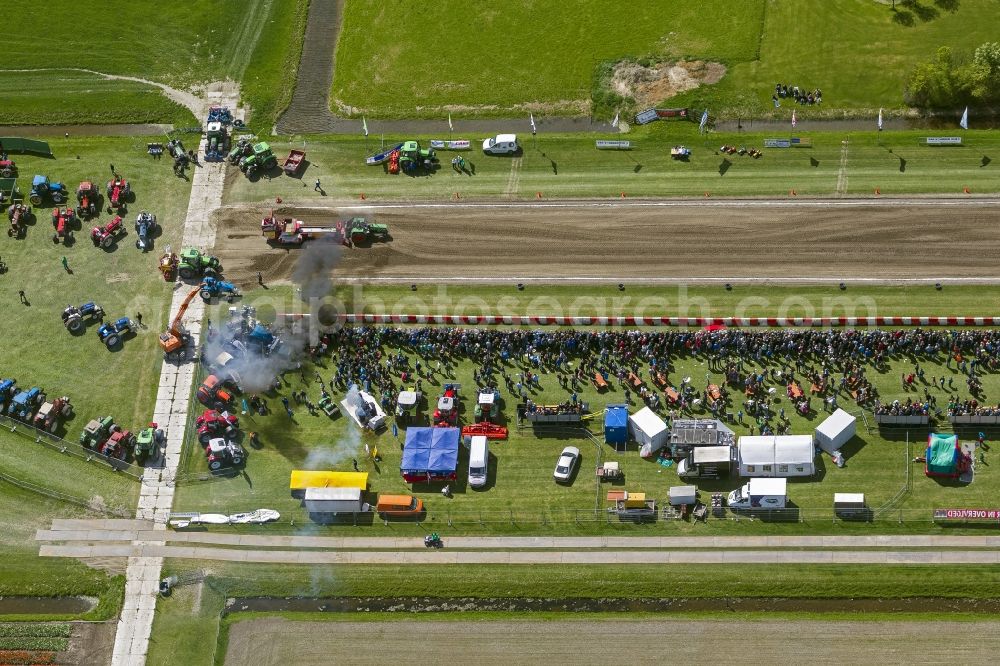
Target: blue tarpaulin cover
<point>430,451</point>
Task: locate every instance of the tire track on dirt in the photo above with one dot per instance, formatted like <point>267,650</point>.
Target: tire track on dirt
<point>833,243</point>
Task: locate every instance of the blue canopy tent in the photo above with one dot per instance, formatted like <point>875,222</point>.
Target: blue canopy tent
<point>616,425</point>
<point>430,454</point>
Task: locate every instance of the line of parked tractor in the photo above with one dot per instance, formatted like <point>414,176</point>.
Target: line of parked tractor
<point>65,219</point>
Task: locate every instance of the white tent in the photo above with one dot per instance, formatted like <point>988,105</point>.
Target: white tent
<point>649,430</point>
<point>782,456</point>
<point>835,431</point>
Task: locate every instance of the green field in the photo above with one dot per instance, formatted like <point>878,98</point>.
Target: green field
<point>180,44</point>
<point>187,626</point>
<point>568,166</point>
<point>746,300</point>
<point>504,58</point>
<point>22,512</point>
<point>38,349</point>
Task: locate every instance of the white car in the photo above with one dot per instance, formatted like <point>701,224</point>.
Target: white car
<point>568,459</point>
<point>501,144</point>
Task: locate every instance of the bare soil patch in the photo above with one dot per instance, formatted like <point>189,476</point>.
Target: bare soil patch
<point>651,85</point>
<point>90,643</point>
<point>280,641</point>
<point>807,242</point>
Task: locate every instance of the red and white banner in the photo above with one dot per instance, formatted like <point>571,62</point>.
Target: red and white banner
<point>631,321</point>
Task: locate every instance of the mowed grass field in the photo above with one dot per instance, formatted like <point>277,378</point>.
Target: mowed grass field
<point>498,58</point>
<point>22,512</point>
<point>743,300</point>
<point>38,350</point>
<point>180,44</point>
<point>521,496</point>
<point>503,58</point>
<point>569,166</point>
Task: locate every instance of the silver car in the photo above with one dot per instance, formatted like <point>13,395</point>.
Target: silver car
<point>567,462</point>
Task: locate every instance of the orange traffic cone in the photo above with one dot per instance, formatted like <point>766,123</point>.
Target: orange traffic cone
<point>878,190</point>
<point>623,195</point>
<point>277,200</point>
<point>706,194</point>
<point>456,196</point>
<point>966,190</point>
<point>793,193</point>
<point>538,195</point>
<point>363,196</point>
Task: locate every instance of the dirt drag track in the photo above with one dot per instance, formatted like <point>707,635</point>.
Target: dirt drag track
<point>844,242</point>
<point>276,641</point>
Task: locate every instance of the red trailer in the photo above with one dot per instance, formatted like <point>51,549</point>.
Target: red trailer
<point>294,162</point>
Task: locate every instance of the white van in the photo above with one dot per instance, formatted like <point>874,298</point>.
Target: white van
<point>479,461</point>
<point>501,144</point>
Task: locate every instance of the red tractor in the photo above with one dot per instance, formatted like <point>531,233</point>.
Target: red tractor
<point>87,195</point>
<point>446,414</point>
<point>109,234</point>
<point>7,168</point>
<point>118,445</point>
<point>19,215</point>
<point>118,193</point>
<point>214,424</point>
<point>62,223</point>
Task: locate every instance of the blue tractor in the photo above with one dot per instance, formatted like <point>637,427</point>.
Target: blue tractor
<point>75,318</point>
<point>212,287</point>
<point>24,405</point>
<point>264,340</point>
<point>145,228</point>
<point>8,387</point>
<point>42,190</point>
<point>112,333</point>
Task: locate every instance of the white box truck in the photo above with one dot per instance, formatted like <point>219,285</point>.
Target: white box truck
<point>760,493</point>
<point>334,500</point>
<point>706,462</point>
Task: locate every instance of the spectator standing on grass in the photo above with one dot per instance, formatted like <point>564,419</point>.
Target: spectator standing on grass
<point>20,294</point>
<point>317,187</point>
<point>112,169</point>
<point>65,264</point>
<point>138,318</point>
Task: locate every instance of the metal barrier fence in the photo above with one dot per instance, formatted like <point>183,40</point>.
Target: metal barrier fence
<point>51,441</point>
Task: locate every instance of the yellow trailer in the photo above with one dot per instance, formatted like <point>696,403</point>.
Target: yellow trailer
<point>302,479</point>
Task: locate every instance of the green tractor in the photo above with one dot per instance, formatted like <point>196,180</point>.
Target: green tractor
<point>96,431</point>
<point>242,148</point>
<point>363,232</point>
<point>195,264</point>
<point>147,443</point>
<point>260,159</point>
<point>411,157</point>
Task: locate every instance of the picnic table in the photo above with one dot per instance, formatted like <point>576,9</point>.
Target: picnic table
<point>600,382</point>
<point>660,379</point>
<point>634,380</point>
<point>815,388</point>
<point>672,396</point>
<point>794,391</point>
<point>714,392</point>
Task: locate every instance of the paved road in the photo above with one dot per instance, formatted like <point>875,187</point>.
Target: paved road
<point>85,539</point>
<point>142,573</point>
<point>451,556</point>
<point>127,531</point>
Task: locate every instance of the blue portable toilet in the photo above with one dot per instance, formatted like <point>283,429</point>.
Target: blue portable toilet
<point>616,425</point>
